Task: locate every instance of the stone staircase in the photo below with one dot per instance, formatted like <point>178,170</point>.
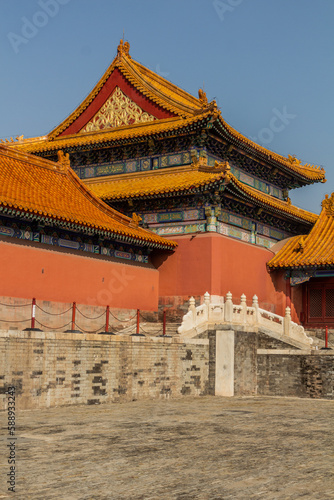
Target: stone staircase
<point>151,329</point>
<point>223,314</point>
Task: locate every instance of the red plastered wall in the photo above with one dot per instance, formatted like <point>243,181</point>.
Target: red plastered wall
<point>218,264</point>
<point>27,271</point>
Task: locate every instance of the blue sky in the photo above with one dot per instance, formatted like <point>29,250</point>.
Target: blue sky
<point>257,58</point>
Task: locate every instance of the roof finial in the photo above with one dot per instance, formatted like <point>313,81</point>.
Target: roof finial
<point>123,48</point>
<point>328,204</point>
<point>135,220</point>
<point>63,160</point>
<point>202,98</point>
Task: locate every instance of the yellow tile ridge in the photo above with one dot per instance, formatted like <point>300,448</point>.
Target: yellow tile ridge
<point>312,172</point>
<point>313,250</point>
<point>267,199</point>
<point>157,89</point>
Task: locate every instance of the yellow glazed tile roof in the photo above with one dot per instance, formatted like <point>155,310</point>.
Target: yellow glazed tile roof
<point>313,250</point>
<point>36,145</point>
<point>269,201</point>
<point>179,179</point>
<point>153,86</point>
<point>187,110</point>
<point>30,185</point>
<point>172,180</point>
<point>311,172</point>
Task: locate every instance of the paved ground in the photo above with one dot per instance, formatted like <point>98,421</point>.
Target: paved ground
<point>204,448</point>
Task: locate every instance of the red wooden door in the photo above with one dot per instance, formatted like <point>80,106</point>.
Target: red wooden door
<point>320,302</point>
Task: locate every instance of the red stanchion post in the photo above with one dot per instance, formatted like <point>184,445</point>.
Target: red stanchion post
<point>107,319</point>
<point>73,315</point>
<point>164,323</point>
<point>138,321</point>
<point>326,337</point>
<point>33,313</point>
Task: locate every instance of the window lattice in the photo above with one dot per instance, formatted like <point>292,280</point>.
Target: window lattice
<point>315,303</point>
<point>329,303</point>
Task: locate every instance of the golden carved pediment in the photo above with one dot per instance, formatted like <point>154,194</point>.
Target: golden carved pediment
<point>118,110</point>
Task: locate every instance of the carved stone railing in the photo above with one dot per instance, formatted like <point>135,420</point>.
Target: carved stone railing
<point>216,310</point>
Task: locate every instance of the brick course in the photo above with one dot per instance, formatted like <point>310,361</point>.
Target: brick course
<point>55,369</point>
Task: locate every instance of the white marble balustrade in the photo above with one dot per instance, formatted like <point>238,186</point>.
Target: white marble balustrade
<point>221,310</point>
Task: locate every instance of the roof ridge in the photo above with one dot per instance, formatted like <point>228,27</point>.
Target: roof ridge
<point>285,205</point>
<point>32,159</point>
<point>143,128</point>
<point>290,161</point>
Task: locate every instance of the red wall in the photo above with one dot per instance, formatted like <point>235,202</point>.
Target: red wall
<point>28,271</point>
<point>218,264</point>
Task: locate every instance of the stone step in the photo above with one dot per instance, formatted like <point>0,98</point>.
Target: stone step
<point>151,329</point>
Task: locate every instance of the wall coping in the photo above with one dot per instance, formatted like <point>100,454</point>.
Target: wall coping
<point>96,337</point>
<point>296,352</point>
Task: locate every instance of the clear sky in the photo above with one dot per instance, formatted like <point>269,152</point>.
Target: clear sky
<point>258,58</point>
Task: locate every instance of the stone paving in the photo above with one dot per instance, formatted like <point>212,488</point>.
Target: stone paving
<point>191,448</point>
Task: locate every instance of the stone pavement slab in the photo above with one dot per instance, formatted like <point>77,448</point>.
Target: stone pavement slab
<point>206,448</point>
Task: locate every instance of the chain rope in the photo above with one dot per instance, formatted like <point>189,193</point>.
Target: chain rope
<point>87,317</point>
<point>16,305</point>
<point>147,333</point>
<point>90,331</point>
<point>52,327</point>
<point>123,320</point>
<point>53,314</point>
<point>14,321</point>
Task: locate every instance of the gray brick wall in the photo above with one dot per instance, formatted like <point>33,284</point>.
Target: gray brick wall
<point>54,369</point>
<point>301,375</point>
<point>266,342</point>
<point>245,363</point>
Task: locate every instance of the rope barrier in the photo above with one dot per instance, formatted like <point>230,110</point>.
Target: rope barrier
<point>14,321</point>
<point>53,314</point>
<point>123,320</point>
<point>147,333</point>
<point>89,331</point>
<point>87,317</point>
<point>52,327</point>
<point>145,319</point>
<point>16,305</point>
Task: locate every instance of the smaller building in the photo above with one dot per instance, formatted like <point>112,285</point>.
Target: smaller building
<point>308,264</point>
<point>59,242</point>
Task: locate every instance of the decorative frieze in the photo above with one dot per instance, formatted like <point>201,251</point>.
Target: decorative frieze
<point>26,234</point>
<point>168,161</point>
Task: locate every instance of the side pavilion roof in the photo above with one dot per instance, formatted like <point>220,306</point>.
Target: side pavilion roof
<point>39,189</point>
<point>313,250</point>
